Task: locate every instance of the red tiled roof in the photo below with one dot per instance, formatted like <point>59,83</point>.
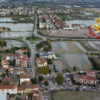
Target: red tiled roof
<point>25,86</point>
<point>37,86</point>
<point>41,61</point>
<point>24,76</point>
<point>84,77</point>
<point>26,83</point>
<point>24,57</point>
<point>12,54</point>
<point>21,50</point>
<point>36,96</point>
<point>7,87</point>
<point>8,79</point>
<point>91,72</point>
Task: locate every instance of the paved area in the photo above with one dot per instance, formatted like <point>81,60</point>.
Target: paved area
<point>67,33</point>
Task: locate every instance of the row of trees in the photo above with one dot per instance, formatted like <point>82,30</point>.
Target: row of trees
<point>45,70</point>
<point>45,45</point>
<point>60,79</point>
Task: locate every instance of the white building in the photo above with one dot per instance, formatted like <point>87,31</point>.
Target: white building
<point>10,89</point>
<point>24,78</point>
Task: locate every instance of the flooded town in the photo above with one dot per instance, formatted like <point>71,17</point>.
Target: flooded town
<point>48,52</point>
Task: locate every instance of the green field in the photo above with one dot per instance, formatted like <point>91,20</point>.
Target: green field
<point>70,95</point>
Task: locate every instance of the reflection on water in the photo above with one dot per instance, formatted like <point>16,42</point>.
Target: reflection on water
<point>14,43</point>
<point>6,19</point>
<point>13,34</point>
<point>18,27</point>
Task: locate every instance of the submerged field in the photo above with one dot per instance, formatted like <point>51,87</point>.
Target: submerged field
<point>64,95</point>
<point>66,47</point>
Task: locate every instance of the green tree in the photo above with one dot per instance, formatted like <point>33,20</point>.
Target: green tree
<point>7,72</point>
<point>33,80</point>
<point>3,75</point>
<point>49,61</point>
<point>6,83</point>
<point>60,79</point>
<point>41,78</point>
<point>45,70</point>
<point>74,68</point>
<point>46,83</point>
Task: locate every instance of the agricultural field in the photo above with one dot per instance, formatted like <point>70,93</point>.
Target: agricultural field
<point>80,61</point>
<point>66,47</point>
<point>70,95</point>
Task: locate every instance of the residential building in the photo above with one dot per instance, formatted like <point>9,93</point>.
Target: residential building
<point>22,61</point>
<point>88,79</point>
<point>41,62</point>
<point>24,78</point>
<point>11,57</point>
<point>20,51</point>
<point>8,80</point>
<point>5,64</point>
<point>28,88</point>
<point>47,55</point>
<point>10,89</point>
<point>36,96</point>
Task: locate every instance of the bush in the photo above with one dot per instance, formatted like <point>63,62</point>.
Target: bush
<point>46,83</point>
<point>33,81</point>
<point>45,70</point>
<point>60,79</point>
<point>41,78</point>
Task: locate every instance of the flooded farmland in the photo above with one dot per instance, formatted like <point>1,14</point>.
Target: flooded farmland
<point>80,61</point>
<point>6,19</point>
<point>14,43</point>
<point>18,27</point>
<point>17,30</point>
<point>66,47</point>
<point>72,54</point>
<point>13,34</point>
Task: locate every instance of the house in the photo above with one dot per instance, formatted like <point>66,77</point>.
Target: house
<point>28,88</point>
<point>47,55</point>
<point>36,96</point>
<point>88,79</point>
<point>10,89</point>
<point>18,72</point>
<point>8,80</point>
<point>36,87</point>
<point>21,51</point>
<point>22,61</point>
<point>5,64</point>
<point>11,57</point>
<point>91,73</point>
<point>41,62</point>
<point>24,78</point>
